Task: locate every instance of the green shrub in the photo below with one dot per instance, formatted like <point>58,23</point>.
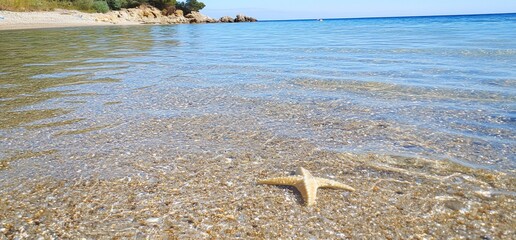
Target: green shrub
<point>135,3</point>
<point>85,5</point>
<point>162,4</point>
<point>116,4</point>
<point>194,5</point>
<point>29,5</point>
<point>190,5</point>
<point>101,6</point>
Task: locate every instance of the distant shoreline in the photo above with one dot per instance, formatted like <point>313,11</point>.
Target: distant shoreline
<point>61,18</point>
<point>133,16</point>
<point>358,18</point>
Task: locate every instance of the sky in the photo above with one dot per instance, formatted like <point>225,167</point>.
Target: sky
<point>310,9</point>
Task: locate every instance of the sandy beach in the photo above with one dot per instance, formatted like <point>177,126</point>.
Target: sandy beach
<point>53,19</point>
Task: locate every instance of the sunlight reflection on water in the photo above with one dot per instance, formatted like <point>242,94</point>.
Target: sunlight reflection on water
<point>439,90</point>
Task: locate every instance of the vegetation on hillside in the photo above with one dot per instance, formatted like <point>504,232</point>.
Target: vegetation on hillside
<point>99,5</point>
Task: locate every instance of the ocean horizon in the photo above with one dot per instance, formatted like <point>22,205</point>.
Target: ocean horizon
<point>382,17</point>
<point>165,131</point>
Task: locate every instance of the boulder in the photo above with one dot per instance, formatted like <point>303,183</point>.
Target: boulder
<point>148,11</point>
<point>226,19</point>
<point>107,18</point>
<point>244,18</point>
<point>197,17</point>
<point>176,20</point>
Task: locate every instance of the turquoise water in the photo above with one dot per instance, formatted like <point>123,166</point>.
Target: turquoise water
<point>433,87</point>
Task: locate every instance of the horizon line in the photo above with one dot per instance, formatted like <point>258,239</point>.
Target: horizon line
<point>402,16</point>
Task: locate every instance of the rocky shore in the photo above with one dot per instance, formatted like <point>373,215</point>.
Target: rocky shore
<point>133,16</point>
<point>151,15</point>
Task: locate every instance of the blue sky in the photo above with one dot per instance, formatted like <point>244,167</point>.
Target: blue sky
<point>298,9</point>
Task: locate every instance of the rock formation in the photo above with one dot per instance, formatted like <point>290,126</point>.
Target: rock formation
<point>239,18</point>
<point>143,14</point>
<point>226,19</point>
<point>147,14</point>
<point>197,17</point>
<point>244,18</point>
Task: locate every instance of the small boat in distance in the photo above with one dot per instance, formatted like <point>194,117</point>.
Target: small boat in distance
<point>320,19</point>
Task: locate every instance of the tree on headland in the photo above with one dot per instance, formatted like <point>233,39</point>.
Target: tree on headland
<point>162,4</point>
<point>186,6</point>
<point>116,4</point>
<point>190,5</point>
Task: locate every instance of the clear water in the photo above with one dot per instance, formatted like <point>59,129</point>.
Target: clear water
<point>433,87</point>
<point>162,131</point>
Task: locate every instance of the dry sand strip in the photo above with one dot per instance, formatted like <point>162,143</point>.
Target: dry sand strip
<point>58,18</point>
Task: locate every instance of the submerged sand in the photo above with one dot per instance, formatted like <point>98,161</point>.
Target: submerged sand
<point>169,190</point>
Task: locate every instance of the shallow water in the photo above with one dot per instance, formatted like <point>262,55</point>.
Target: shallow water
<point>425,102</point>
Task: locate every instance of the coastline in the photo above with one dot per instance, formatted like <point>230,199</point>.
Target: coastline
<point>134,16</point>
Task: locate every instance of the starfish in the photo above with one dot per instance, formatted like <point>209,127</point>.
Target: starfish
<point>306,184</point>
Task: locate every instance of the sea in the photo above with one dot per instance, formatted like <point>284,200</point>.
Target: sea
<point>448,80</point>
<point>105,102</point>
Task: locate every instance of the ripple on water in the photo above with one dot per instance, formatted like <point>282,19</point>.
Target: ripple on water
<point>144,130</point>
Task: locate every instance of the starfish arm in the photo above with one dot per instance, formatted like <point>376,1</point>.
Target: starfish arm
<point>308,190</point>
<point>326,183</point>
<point>291,181</point>
<point>303,172</point>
